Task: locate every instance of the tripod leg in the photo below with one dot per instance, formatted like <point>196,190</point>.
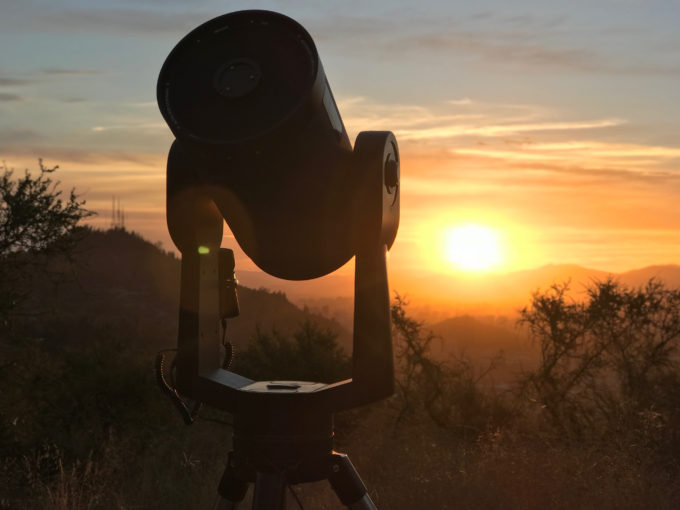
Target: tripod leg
<point>225,504</point>
<point>347,484</point>
<point>270,491</point>
<point>231,490</point>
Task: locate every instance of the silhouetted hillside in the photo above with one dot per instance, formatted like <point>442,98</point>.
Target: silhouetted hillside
<point>668,274</point>
<point>472,334</point>
<point>83,425</point>
<point>435,296</point>
<point>119,277</point>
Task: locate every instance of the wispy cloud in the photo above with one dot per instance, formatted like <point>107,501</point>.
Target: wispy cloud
<point>643,161</point>
<point>9,137</point>
<point>147,21</point>
<point>607,149</point>
<point>22,145</point>
<point>503,129</point>
<point>8,97</point>
<point>52,71</point>
<point>482,120</point>
<point>522,41</point>
<point>130,126</point>
<point>479,152</point>
<point>13,82</point>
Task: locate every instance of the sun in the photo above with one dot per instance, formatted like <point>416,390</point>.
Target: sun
<point>472,247</point>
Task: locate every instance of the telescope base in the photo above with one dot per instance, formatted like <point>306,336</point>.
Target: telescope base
<point>276,451</point>
<point>270,487</point>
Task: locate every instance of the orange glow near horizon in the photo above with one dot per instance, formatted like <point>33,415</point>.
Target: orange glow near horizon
<point>560,196</point>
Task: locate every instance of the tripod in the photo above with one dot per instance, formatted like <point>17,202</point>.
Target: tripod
<point>270,487</point>
<point>274,461</point>
<point>274,448</point>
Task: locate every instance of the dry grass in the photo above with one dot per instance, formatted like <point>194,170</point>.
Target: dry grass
<point>416,465</point>
<point>420,466</point>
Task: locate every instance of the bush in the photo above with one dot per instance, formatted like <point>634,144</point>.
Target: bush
<point>608,363</point>
<point>450,392</point>
<point>35,222</point>
<point>312,354</point>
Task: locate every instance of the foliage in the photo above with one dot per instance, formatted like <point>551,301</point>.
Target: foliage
<point>312,354</point>
<point>82,424</point>
<point>609,362</point>
<point>35,222</point>
<point>33,215</point>
<point>448,392</point>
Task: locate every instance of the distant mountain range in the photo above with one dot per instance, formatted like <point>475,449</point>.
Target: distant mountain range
<point>467,288</point>
<point>486,324</point>
<point>120,277</point>
<point>475,315</point>
<point>435,297</point>
<point>513,290</point>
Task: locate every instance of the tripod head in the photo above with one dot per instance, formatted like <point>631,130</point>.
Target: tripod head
<point>260,143</point>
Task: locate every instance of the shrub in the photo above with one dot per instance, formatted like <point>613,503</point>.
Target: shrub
<point>312,354</point>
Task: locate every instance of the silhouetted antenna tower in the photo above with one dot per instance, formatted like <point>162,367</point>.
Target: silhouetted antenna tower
<point>117,215</point>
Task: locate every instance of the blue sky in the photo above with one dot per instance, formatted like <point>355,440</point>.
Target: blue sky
<point>555,123</point>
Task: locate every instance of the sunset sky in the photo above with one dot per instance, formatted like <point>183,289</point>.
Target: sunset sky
<point>554,127</point>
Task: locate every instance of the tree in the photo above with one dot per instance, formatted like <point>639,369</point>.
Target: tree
<point>36,221</point>
<point>608,362</point>
<point>420,379</point>
<point>449,392</point>
<point>312,354</point>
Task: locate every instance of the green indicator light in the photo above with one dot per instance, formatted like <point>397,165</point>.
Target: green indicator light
<point>203,250</point>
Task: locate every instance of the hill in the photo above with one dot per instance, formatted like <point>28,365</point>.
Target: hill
<point>132,282</point>
<point>83,427</point>
<point>125,278</point>
<point>436,297</point>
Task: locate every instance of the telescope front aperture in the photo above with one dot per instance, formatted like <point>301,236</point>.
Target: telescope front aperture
<point>237,77</point>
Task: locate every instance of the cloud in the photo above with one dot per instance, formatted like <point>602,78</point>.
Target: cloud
<point>140,18</point>
<point>507,50</point>
<point>143,104</point>
<point>131,126</point>
<point>8,97</point>
<point>28,144</point>
<point>525,41</point>
<point>503,129</point>
<point>479,120</point>
<point>118,21</point>
<point>40,76</point>
<point>13,82</point>
<point>459,102</point>
<point>588,154</point>
<point>70,72</point>
<point>10,137</point>
<point>478,152</point>
<point>532,51</point>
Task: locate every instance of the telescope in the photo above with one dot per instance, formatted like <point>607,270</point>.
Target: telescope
<point>259,143</point>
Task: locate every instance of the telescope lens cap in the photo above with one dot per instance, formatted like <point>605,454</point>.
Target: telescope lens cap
<point>238,78</point>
